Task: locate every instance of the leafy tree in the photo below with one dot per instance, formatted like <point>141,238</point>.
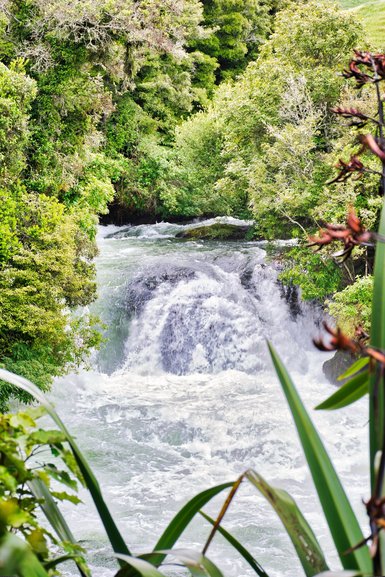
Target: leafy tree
<point>261,142</point>
<point>239,27</point>
<point>66,67</point>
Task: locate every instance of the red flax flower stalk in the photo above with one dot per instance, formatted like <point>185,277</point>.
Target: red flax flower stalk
<point>366,68</point>
<point>351,235</point>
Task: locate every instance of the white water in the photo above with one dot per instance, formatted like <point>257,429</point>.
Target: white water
<point>184,397</point>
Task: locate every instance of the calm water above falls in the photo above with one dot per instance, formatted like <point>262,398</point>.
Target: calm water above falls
<point>183,397</point>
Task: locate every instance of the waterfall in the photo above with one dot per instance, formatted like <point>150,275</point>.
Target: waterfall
<point>183,395</point>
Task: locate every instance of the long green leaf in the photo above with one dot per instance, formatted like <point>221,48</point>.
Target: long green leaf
<point>377,339</point>
<point>139,566</point>
<point>51,510</point>
<point>117,542</point>
<point>339,574</point>
<point>348,393</point>
<point>54,516</point>
<point>354,368</point>
<point>305,542</point>
<point>341,519</point>
<point>198,564</point>
<point>238,546</point>
<point>180,522</point>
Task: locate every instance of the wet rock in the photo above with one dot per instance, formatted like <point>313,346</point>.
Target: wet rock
<point>293,299</point>
<point>141,288</point>
<point>337,365</point>
<point>217,231</point>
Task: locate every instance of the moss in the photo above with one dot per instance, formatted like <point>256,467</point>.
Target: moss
<point>217,231</point>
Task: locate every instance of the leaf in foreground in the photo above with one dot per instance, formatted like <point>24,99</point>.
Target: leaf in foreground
<point>117,542</point>
<point>348,393</point>
<point>354,368</point>
<point>198,564</point>
<point>180,522</point>
<point>135,566</point>
<point>341,519</point>
<point>305,542</point>
<point>238,546</point>
<point>55,518</point>
<point>16,558</point>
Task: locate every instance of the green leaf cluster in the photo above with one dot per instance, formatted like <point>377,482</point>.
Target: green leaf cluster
<point>31,459</point>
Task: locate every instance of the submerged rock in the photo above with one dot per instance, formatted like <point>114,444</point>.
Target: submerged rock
<point>218,231</point>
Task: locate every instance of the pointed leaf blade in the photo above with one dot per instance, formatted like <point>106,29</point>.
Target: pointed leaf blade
<point>348,393</point>
<point>55,517</point>
<point>137,566</point>
<point>198,564</point>
<point>377,340</point>
<point>305,542</point>
<point>180,522</point>
<point>238,546</point>
<point>354,368</point>
<point>341,519</point>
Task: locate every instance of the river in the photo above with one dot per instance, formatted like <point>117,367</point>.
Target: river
<point>183,396</point>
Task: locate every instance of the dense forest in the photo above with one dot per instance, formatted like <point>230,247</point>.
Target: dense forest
<point>151,110</point>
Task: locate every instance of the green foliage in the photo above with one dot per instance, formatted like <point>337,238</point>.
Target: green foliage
<point>352,306</point>
<point>67,68</point>
<point>371,14</point>
<point>262,142</point>
<point>42,280</point>
<point>316,274</point>
<point>348,393</point>
<point>21,441</point>
<point>339,514</point>
<point>195,167</point>
<point>239,27</point>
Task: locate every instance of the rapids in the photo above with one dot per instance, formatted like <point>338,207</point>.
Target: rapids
<point>183,396</point>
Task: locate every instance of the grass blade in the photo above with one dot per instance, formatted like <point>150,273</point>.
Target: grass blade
<point>348,393</point>
<point>238,546</point>
<point>177,525</point>
<point>341,519</point>
<point>305,542</point>
<point>117,542</point>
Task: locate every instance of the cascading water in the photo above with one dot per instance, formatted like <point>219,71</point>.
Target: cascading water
<point>183,396</point>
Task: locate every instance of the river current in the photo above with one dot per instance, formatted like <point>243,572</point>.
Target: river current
<point>183,396</point>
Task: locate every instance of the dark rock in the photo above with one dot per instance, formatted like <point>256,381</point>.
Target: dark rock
<point>337,365</point>
<point>293,299</point>
<point>217,231</point>
<point>141,288</point>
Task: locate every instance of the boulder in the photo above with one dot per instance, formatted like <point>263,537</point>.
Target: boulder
<point>217,231</point>
<point>337,365</point>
